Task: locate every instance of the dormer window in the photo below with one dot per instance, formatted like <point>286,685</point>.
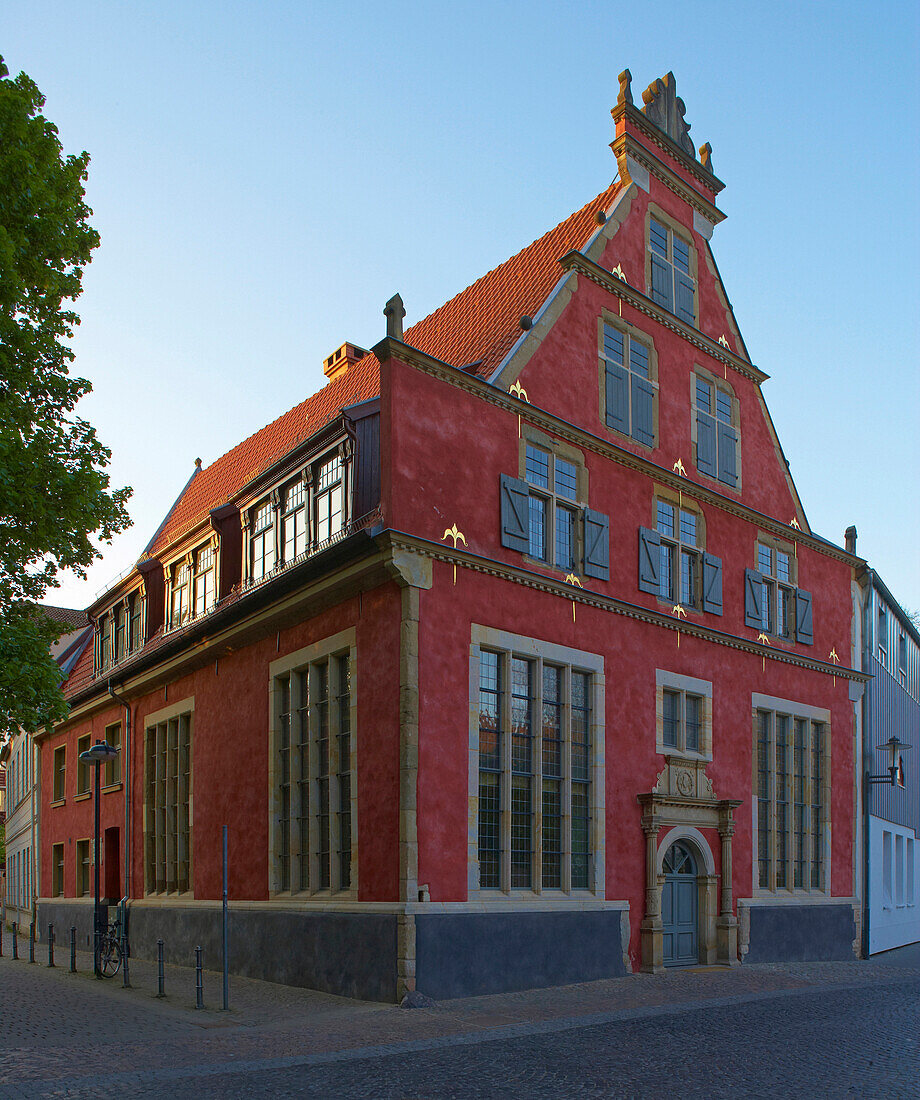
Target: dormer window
<point>204,580</point>
<point>179,600</point>
<point>671,279</point>
<point>299,517</point>
<point>118,632</point>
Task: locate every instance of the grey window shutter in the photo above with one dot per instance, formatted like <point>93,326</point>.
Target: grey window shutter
<point>649,557</point>
<point>804,631</point>
<point>643,403</point>
<point>706,444</point>
<point>662,285</point>
<point>515,507</point>
<point>685,298</point>
<point>617,398</point>
<point>728,442</point>
<point>753,599</point>
<point>597,545</point>
<point>712,584</point>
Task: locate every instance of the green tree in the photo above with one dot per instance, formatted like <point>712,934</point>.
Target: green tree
<point>55,503</point>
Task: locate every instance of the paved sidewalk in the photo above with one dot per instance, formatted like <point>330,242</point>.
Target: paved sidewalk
<point>70,1034</point>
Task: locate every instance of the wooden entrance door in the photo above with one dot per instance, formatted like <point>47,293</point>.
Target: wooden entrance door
<point>679,902</point>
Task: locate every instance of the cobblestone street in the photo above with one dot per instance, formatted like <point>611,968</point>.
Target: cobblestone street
<point>800,1030</point>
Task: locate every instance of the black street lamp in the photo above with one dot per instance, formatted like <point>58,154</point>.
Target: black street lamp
<point>100,753</point>
<point>895,748</point>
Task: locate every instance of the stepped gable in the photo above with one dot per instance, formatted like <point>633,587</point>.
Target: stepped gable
<point>482,323</point>
<point>219,482</point>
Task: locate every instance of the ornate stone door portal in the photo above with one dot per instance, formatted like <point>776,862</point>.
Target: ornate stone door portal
<point>682,802</point>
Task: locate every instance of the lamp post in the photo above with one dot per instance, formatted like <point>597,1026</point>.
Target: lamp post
<point>895,748</point>
<point>99,753</point>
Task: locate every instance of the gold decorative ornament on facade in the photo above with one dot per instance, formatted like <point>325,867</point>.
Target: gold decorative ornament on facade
<point>724,342</point>
<point>795,523</point>
<point>833,656</point>
<point>572,579</point>
<point>764,640</point>
<point>518,391</point>
<point>618,271</point>
<point>457,535</point>
<point>679,613</point>
<point>679,468</point>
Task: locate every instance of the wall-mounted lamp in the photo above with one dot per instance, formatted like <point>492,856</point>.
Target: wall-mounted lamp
<point>895,748</point>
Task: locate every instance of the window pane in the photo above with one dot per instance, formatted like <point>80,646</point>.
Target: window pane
<point>782,566</point>
<point>552,834</point>
<point>565,538</point>
<point>681,254</point>
<point>798,796</point>
<point>764,799</point>
<point>552,722</point>
<point>765,559</point>
<point>782,797</point>
<point>638,358</point>
<point>666,519</point>
<point>580,831</point>
<point>614,345</point>
<point>489,831</point>
<point>665,572</point>
<point>566,479</point>
<point>658,238</point>
<point>703,395</point>
<point>688,527</point>
<point>536,465</point>
<point>538,508</point>
<point>693,706</point>
<point>670,714</point>
<point>687,578</point>
<point>723,406</point>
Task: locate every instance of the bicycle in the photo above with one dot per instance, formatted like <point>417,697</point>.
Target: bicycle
<point>109,960</point>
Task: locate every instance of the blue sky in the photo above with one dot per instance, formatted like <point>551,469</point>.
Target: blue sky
<point>266,175</point>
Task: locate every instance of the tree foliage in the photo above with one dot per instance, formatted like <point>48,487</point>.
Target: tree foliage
<point>55,503</point>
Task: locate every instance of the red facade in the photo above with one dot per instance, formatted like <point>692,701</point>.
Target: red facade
<point>382,620</point>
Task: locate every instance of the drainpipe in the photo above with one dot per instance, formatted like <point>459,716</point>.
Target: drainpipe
<point>864,764</point>
<point>126,779</point>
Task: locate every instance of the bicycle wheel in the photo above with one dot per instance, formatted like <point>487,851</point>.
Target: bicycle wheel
<point>109,956</point>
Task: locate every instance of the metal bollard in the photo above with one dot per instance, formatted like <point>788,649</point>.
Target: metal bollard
<point>161,970</point>
<point>199,980</point>
<point>51,945</point>
<point>73,949</point>
<point>1,939</point>
<point>125,979</point>
<point>15,940</point>
<point>32,942</point>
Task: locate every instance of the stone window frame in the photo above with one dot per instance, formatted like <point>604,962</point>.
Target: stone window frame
<point>679,503</point>
<point>810,714</point>
<point>686,685</point>
<point>574,456</point>
<point>113,775</point>
<point>59,775</point>
<point>772,582</point>
<point>675,228</point>
<point>57,870</point>
<point>175,712</point>
<point>645,338</point>
<point>505,642</point>
<point>84,770</point>
<point>308,659</point>
<point>718,382</point>
<point>83,859</point>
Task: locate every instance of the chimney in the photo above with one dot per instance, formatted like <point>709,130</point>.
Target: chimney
<point>336,364</point>
<point>850,537</point>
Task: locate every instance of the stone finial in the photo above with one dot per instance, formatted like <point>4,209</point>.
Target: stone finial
<point>197,463</point>
<point>850,537</point>
<point>706,157</point>
<point>625,95</point>
<point>394,313</point>
<point>666,109</point>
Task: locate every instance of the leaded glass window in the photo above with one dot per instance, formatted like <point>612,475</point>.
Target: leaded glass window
<point>552,509</point>
<point>679,555</point>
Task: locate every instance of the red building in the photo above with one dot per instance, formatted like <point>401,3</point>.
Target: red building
<point>509,658</point>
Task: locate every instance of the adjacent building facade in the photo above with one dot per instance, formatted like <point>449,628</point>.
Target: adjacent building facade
<point>509,658</point>
<point>891,708</point>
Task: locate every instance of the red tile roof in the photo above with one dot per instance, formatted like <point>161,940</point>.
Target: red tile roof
<point>479,324</point>
<point>483,322</point>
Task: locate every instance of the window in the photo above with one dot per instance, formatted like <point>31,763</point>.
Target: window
<point>672,562</point>
<point>683,710</point>
<point>536,768</point>
<point>59,773</point>
<point>113,766</point>
<point>83,877</point>
<point>204,585</point>
<point>179,595</point>
<point>902,659</point>
<point>543,514</point>
<point>882,636</point>
<point>118,632</point>
<point>671,277</point>
<point>772,603</point>
<point>679,569</point>
<point>715,429</point>
<point>887,867</point>
<point>84,770</point>
<point>262,543</point>
<point>167,802</point>
<point>792,802</point>
<point>313,772</point>
<point>329,508</point>
<point>294,521</point>
<point>552,511</point>
<point>629,386</point>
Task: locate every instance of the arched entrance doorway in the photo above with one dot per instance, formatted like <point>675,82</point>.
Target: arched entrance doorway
<point>679,907</point>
